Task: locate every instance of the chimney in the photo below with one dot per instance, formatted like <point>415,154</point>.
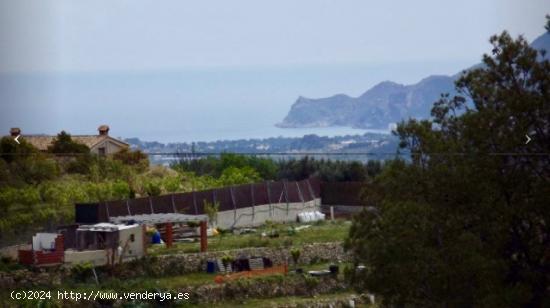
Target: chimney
<point>15,131</point>
<point>103,130</point>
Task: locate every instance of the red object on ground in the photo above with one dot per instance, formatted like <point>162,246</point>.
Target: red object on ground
<point>31,257</point>
<point>204,238</point>
<point>169,234</point>
<point>282,269</point>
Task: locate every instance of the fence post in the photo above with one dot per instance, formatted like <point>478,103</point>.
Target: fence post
<point>128,207</point>
<point>195,203</point>
<point>331,212</point>
<point>169,234</point>
<point>269,198</point>
<point>213,197</point>
<point>173,204</point>
<point>300,194</point>
<point>151,205</point>
<point>285,191</point>
<point>234,205</point>
<point>106,205</point>
<point>203,234</point>
<point>253,201</point>
<point>310,190</point>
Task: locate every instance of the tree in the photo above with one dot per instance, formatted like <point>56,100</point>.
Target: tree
<point>64,144</point>
<point>132,158</point>
<point>466,222</point>
<point>211,210</point>
<point>235,176</point>
<point>11,151</point>
<point>295,254</point>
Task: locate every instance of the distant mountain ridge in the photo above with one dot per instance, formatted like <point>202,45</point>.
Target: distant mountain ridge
<point>385,103</point>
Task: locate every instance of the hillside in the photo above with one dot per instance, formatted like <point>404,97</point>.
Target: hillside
<point>380,106</point>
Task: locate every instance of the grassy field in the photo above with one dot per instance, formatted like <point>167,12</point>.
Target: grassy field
<point>318,232</point>
<point>196,279</point>
<point>292,301</point>
<point>181,283</point>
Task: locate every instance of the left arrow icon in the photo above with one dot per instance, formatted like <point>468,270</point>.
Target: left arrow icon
<point>17,138</point>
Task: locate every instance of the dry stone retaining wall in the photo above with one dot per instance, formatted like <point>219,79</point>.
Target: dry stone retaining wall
<point>178,264</point>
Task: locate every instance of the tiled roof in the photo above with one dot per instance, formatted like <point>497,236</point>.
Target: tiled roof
<point>42,142</point>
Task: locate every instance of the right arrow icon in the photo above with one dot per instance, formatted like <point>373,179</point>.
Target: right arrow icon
<point>528,139</point>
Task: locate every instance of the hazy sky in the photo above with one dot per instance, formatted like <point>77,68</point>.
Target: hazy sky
<point>176,70</point>
<point>111,35</point>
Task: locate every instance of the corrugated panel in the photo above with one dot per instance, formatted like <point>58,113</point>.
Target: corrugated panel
<point>315,184</point>
<point>184,203</point>
<point>117,208</point>
<point>201,196</point>
<point>260,194</point>
<point>140,206</point>
<point>163,204</point>
<point>292,191</point>
<point>275,192</point>
<point>86,213</point>
<point>341,193</point>
<point>304,190</point>
<point>243,196</point>
<point>223,196</point>
<point>102,214</point>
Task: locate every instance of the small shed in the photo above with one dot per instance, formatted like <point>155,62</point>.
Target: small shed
<point>107,243</point>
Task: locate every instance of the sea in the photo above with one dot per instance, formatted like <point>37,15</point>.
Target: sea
<point>189,104</point>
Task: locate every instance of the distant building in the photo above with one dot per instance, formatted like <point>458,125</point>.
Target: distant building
<point>101,144</point>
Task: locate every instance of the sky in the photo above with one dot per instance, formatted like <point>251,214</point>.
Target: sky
<point>59,56</point>
<point>107,35</point>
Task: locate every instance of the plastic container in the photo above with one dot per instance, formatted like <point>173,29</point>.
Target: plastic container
<point>211,267</point>
<point>155,239</point>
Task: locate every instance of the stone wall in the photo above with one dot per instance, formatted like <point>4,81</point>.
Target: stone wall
<point>26,278</point>
<point>169,265</point>
<point>196,262</point>
<point>265,287</point>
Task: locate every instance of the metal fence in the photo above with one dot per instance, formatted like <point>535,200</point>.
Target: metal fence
<point>341,193</point>
<point>229,198</point>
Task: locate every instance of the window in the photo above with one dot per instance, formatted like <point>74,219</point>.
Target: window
<point>132,238</point>
<point>101,151</point>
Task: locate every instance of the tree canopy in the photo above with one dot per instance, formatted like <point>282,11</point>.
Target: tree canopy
<point>64,144</point>
<point>466,222</point>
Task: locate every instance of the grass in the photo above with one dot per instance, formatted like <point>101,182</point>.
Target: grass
<point>319,232</point>
<point>288,301</point>
<point>195,279</point>
<point>182,282</point>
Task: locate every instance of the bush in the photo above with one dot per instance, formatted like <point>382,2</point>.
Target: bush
<point>82,272</point>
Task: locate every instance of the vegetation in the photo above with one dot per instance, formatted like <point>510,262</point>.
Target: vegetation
<point>83,281</point>
<point>295,253</point>
<point>64,144</point>
<point>263,168</point>
<point>251,168</point>
<point>465,223</point>
<point>322,232</point>
<point>38,190</point>
<point>211,210</point>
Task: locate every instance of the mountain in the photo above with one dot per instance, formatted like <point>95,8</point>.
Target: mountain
<point>385,103</point>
